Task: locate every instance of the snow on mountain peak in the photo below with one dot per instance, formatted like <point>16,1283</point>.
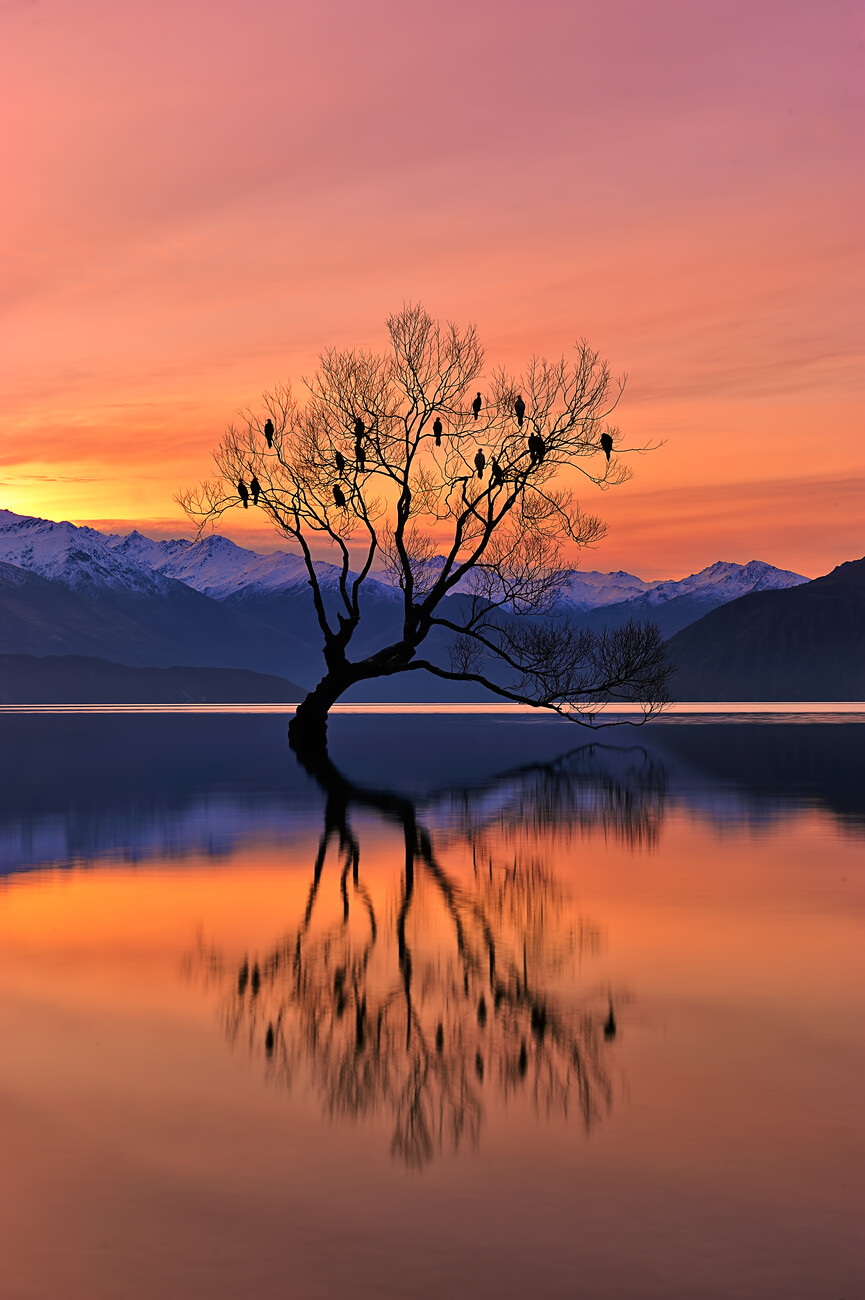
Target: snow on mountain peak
<point>78,557</point>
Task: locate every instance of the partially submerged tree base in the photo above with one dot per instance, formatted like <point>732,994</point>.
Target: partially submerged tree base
<point>459,495</point>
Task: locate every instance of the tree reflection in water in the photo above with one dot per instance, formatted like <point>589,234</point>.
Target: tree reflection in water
<point>420,1009</point>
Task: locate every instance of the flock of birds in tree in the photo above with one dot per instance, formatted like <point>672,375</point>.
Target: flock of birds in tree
<point>536,445</point>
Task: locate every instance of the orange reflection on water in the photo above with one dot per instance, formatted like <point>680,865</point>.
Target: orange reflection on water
<point>168,1151</point>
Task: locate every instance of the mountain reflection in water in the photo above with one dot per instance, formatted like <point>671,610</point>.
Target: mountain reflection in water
<point>77,789</point>
<point>482,1017</point>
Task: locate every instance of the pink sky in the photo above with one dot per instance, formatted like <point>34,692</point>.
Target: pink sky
<point>202,196</point>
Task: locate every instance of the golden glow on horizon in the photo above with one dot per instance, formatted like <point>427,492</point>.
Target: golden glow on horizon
<point>691,203</point>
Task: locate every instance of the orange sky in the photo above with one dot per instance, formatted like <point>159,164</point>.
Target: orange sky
<point>201,196</point>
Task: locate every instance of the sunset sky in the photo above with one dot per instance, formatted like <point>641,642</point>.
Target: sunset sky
<point>201,196</point>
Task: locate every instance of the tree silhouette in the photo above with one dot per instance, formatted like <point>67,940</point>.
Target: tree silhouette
<point>421,1021</point>
<point>383,460</point>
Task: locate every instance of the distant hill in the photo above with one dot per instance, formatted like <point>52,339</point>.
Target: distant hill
<point>806,643</point>
<point>82,679</point>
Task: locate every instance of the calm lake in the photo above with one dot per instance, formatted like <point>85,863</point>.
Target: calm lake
<point>519,1009</point>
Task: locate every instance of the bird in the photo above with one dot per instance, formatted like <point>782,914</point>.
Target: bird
<point>268,432</point>
<point>360,455</point>
<point>480,462</point>
<point>256,980</point>
<point>610,1025</point>
<point>339,496</point>
<point>523,1058</point>
<point>606,444</point>
<point>255,489</point>
<point>359,428</point>
<point>476,406</point>
<point>243,978</point>
<point>479,1066</point>
<point>482,1011</point>
<point>243,493</point>
<point>268,1040</point>
<point>339,461</point>
<point>440,1037</point>
<point>437,430</point>
<point>496,470</point>
<point>537,448</point>
<point>520,408</point>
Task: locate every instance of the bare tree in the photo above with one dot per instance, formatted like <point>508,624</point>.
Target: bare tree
<point>407,461</point>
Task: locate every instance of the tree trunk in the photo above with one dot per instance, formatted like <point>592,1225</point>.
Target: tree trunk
<point>307,731</point>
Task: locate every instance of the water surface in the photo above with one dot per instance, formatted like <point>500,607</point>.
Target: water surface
<point>593,1028</point>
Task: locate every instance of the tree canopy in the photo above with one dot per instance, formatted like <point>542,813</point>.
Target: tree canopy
<point>458,485</point>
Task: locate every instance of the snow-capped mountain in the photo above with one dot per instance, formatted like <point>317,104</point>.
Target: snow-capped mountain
<point>721,581</point>
<point>80,558</point>
<point>219,568</point>
<point>67,590</point>
<point>223,570</point>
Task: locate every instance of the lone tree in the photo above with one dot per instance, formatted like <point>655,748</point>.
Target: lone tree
<point>408,461</point>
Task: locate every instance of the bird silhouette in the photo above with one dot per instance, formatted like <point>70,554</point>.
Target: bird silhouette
<point>339,461</point>
<point>360,455</point>
<point>479,1066</point>
<point>243,978</point>
<point>359,428</point>
<point>537,448</point>
<point>243,493</point>
<point>520,408</point>
<point>269,1040</point>
<point>523,1060</point>
<point>496,470</point>
<point>610,1025</point>
<point>606,444</point>
<point>268,432</point>
<point>437,430</point>
<point>482,1011</point>
<point>339,496</point>
<point>255,984</point>
<point>480,462</point>
<point>255,489</point>
<point>476,406</point>
<point>440,1037</point>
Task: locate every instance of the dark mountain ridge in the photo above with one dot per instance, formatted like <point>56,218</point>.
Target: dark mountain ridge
<point>805,643</point>
<point>84,679</point>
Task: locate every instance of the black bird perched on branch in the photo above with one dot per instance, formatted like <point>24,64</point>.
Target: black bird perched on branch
<point>269,1040</point>
<point>339,496</point>
<point>610,1025</point>
<point>496,470</point>
<point>476,406</point>
<point>440,1037</point>
<point>537,448</point>
<point>359,428</point>
<point>520,408</point>
<point>339,461</point>
<point>255,489</point>
<point>606,444</point>
<point>360,455</point>
<point>437,430</point>
<point>243,493</point>
<point>480,462</point>
<point>268,432</point>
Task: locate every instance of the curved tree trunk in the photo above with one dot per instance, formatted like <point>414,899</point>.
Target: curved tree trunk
<point>307,731</point>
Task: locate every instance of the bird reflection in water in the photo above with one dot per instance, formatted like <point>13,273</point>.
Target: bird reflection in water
<point>424,1009</point>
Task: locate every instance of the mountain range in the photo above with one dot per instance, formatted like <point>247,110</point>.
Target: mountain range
<point>71,590</point>
<point>807,643</point>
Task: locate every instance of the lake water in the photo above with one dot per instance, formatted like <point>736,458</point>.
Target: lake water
<point>521,1010</point>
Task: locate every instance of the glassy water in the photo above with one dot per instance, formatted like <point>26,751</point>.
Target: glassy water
<point>515,1009</point>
